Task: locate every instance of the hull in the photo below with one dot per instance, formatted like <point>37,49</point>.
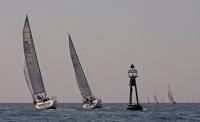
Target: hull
<point>95,104</point>
<point>173,103</point>
<point>50,104</point>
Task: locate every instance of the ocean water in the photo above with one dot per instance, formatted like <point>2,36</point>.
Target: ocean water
<point>110,112</point>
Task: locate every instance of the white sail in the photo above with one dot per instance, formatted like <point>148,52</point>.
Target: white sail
<point>33,70</point>
<point>80,76</point>
<point>170,96</point>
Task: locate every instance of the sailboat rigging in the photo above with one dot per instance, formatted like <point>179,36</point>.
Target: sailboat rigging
<point>32,72</point>
<point>89,100</point>
<point>156,99</point>
<point>170,96</point>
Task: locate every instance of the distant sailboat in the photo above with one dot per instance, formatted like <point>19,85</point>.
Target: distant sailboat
<point>148,100</point>
<point>170,96</point>
<point>89,100</point>
<point>156,99</point>
<point>162,100</point>
<point>193,101</point>
<point>32,72</point>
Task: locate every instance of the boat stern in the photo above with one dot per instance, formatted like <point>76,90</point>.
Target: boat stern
<point>49,104</point>
<point>97,103</point>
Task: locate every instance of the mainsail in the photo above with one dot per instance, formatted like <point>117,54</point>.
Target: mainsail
<point>27,78</point>
<point>80,76</point>
<point>170,96</point>
<point>33,71</point>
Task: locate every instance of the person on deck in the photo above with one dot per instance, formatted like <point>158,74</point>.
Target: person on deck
<point>39,97</point>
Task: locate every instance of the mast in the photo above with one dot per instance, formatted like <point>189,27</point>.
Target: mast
<point>80,76</point>
<point>31,61</point>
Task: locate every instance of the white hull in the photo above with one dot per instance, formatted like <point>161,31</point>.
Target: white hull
<point>50,104</point>
<point>95,104</point>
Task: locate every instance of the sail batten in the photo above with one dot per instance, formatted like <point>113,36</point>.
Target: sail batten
<point>80,76</point>
<point>31,61</point>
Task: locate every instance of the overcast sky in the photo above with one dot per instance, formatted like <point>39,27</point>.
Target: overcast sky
<point>161,38</point>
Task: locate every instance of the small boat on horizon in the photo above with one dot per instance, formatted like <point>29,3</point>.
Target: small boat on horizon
<point>32,72</point>
<point>170,96</point>
<point>156,99</point>
<point>89,100</point>
<point>148,100</point>
<point>162,100</point>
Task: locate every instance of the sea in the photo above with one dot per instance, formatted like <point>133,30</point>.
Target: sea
<point>110,112</point>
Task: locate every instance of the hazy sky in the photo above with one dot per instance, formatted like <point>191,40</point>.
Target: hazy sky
<point>162,39</point>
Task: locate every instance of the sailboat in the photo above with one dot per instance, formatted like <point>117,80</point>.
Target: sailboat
<point>170,96</point>
<point>89,100</point>
<point>148,100</point>
<point>32,72</point>
<point>156,99</point>
<point>162,100</point>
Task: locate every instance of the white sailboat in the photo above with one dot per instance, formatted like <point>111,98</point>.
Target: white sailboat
<point>32,72</point>
<point>170,96</point>
<point>89,100</point>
